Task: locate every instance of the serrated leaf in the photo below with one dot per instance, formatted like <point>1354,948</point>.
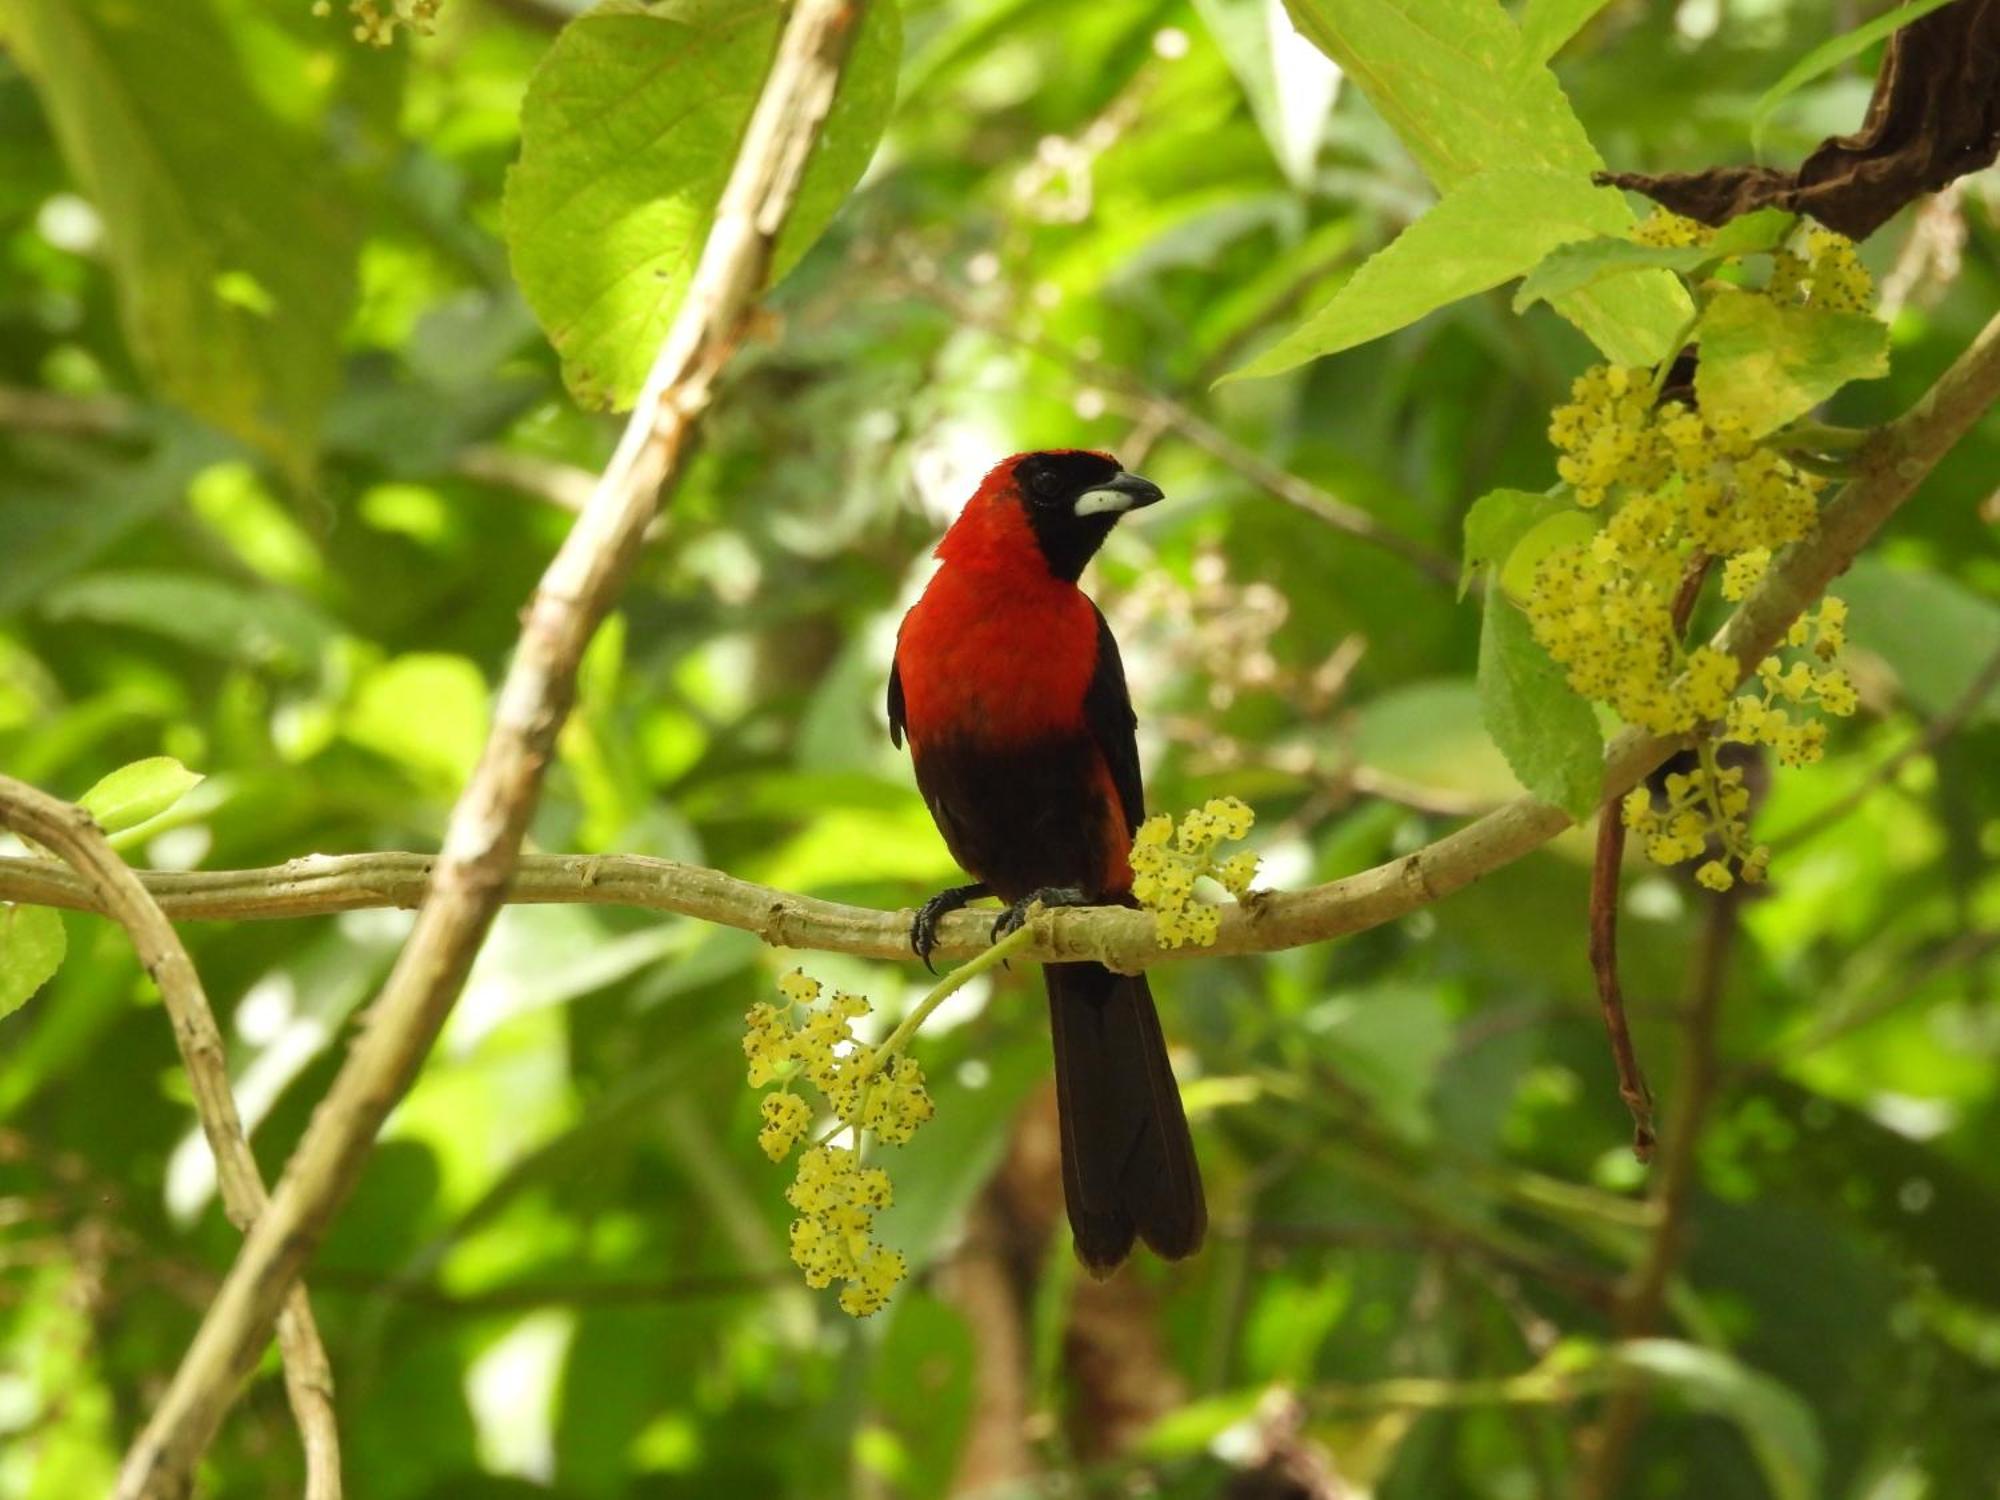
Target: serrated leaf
<point>1476,237</point>
<point>1451,79</point>
<point>1582,263</point>
<point>1766,364</point>
<point>628,134</point>
<point>1548,734</point>
<point>1776,1423</point>
<point>137,793</point>
<point>230,235</point>
<point>1496,521</point>
<point>32,943</point>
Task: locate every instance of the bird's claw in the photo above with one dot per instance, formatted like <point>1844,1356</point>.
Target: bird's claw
<point>924,926</point>
<point>1018,912</point>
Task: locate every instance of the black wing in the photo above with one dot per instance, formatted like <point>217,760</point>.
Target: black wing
<point>895,705</point>
<point>1107,709</point>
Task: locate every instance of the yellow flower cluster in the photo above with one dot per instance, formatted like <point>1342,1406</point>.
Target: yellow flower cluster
<point>864,1090</point>
<point>1671,230</point>
<point>376,21</point>
<point>833,1237</point>
<point>1826,273</point>
<point>1677,483</point>
<point>1166,864</point>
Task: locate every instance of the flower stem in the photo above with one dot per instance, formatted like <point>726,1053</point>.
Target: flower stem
<point>892,1045</point>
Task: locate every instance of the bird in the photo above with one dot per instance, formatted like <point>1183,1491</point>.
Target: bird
<point>1008,687</point>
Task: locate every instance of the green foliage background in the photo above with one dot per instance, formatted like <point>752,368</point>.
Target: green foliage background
<point>280,446</point>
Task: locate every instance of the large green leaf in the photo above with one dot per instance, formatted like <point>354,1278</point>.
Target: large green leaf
<point>1452,80</point>
<point>1496,521</point>
<point>1766,363</point>
<point>31,950</point>
<point>1778,1426</point>
<point>1475,238</point>
<point>1547,24</point>
<point>230,234</point>
<point>1548,734</point>
<point>628,134</point>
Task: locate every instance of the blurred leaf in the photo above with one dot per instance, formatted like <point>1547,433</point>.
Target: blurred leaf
<point>1450,79</point>
<point>1388,1042</point>
<point>1778,1426</point>
<point>134,794</point>
<point>1430,734</point>
<point>1477,236</point>
<point>627,137</point>
<point>1290,85</point>
<point>258,626</point>
<point>1767,364</point>
<point>427,710</point>
<point>1547,732</point>
<point>232,240</point>
<point>1829,55</point>
<point>32,943</point>
<point>1496,521</point>
<point>1567,268</point>
<point>1937,635</point>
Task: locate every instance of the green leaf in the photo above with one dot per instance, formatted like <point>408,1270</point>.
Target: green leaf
<point>427,710</point>
<point>1548,734</point>
<point>1475,238</point>
<point>1496,521</point>
<point>1546,25</point>
<point>628,134</point>
<point>1830,54</point>
<point>1290,87</point>
<point>1450,78</point>
<point>1562,528</point>
<point>32,943</point>
<point>1778,1426</point>
<point>231,239</point>
<point>1428,736</point>
<point>134,794</point>
<point>1388,1042</point>
<point>1582,263</point>
<point>1935,634</point>
<point>1766,364</point>
<point>259,626</point>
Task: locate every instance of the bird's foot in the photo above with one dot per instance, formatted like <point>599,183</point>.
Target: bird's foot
<point>1047,897</point>
<point>924,926</point>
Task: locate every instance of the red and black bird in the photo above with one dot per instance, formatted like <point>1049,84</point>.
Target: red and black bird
<point>1008,685</point>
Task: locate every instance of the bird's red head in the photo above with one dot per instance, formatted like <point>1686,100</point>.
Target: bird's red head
<point>1058,504</point>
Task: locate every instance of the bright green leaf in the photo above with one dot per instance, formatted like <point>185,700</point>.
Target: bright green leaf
<point>426,710</point>
<point>1766,363</point>
<point>1830,54</point>
<point>134,794</point>
<point>1571,267</point>
<point>1427,735</point>
<point>1778,1426</point>
<point>1496,521</point>
<point>627,137</point>
<point>229,232</point>
<point>1475,238</point>
<point>1548,734</point>
<point>32,943</point>
<point>1450,78</point>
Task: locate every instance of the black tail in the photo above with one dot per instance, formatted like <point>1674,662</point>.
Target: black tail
<point>1128,1164</point>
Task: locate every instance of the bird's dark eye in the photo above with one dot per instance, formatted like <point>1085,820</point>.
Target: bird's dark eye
<point>1045,484</point>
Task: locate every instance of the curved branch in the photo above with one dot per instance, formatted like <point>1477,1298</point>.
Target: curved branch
<point>483,839</point>
<point>113,888</point>
<point>1893,465</point>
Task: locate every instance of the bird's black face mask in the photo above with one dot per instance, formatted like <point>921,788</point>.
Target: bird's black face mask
<point>1074,498</point>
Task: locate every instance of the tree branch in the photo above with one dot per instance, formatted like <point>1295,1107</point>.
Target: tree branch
<point>70,833</point>
<point>1891,468</point>
<point>482,841</point>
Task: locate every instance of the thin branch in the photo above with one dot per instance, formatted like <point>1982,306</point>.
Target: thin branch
<point>69,832</point>
<point>1604,874</point>
<point>482,841</point>
<point>1933,734</point>
<point>1644,1297</point>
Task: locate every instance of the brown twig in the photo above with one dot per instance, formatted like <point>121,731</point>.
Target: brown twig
<point>482,841</point>
<point>1643,1299</point>
<point>70,833</point>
